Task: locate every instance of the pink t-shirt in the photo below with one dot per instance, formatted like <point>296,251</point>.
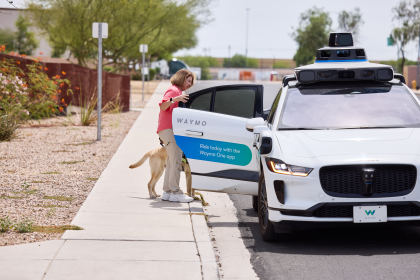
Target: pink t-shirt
<point>165,117</point>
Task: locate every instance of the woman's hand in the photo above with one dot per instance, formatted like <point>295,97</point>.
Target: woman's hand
<point>181,98</point>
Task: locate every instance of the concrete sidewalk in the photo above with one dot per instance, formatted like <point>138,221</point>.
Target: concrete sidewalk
<point>126,235</point>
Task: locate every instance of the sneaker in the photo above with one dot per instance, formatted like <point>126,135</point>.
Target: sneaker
<point>165,196</point>
<point>180,197</point>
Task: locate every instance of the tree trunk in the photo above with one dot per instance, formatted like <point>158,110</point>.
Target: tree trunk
<point>402,61</point>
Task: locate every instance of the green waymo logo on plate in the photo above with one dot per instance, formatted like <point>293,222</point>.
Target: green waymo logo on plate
<point>370,212</point>
<point>216,151</point>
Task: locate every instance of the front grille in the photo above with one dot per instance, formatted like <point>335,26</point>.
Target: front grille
<point>346,211</point>
<point>334,212</point>
<point>378,180</point>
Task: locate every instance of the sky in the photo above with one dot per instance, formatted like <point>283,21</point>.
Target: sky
<point>271,23</point>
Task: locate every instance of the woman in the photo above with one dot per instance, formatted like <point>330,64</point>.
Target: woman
<point>182,80</point>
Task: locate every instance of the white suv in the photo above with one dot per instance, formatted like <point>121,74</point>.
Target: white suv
<point>341,143</point>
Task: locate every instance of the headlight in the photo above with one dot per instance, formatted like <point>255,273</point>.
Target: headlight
<point>278,166</point>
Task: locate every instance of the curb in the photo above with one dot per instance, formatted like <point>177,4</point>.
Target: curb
<point>209,267</point>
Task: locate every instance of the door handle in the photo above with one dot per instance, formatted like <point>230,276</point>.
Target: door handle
<point>194,133</point>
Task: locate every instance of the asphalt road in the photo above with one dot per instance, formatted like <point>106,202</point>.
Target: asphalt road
<point>390,251</point>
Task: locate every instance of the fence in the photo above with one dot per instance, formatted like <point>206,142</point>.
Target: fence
<point>84,82</point>
<point>410,74</point>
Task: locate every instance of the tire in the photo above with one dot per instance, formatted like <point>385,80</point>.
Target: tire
<point>267,230</point>
<point>255,202</point>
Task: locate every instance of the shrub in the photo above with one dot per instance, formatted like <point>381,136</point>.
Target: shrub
<point>24,226</point>
<point>8,125</point>
<point>45,93</point>
<point>111,69</point>
<point>240,61</point>
<point>204,62</point>
<point>5,224</point>
<point>87,110</point>
<point>136,76</point>
<point>113,106</point>
<point>200,61</point>
<point>283,64</point>
<point>152,74</point>
<point>28,94</point>
<point>37,94</point>
<point>13,94</point>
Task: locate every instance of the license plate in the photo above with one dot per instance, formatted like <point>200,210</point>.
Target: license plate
<point>370,214</point>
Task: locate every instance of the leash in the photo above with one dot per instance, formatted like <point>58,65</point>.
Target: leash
<point>162,143</point>
<point>184,158</point>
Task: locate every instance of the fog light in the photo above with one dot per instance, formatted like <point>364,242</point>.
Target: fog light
<point>279,189</point>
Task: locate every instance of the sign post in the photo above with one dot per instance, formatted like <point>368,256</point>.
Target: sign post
<point>143,50</point>
<point>418,62</point>
<point>99,30</point>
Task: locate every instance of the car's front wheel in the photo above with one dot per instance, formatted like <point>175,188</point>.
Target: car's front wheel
<point>266,226</point>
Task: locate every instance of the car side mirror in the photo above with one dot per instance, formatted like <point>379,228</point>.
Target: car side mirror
<point>251,124</point>
<point>265,114</point>
<point>266,145</point>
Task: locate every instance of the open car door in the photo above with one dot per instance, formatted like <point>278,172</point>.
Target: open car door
<point>211,132</point>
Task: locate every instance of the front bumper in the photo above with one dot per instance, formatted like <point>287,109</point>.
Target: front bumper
<point>343,212</point>
<point>304,199</point>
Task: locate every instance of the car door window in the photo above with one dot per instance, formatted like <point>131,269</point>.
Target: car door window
<point>201,102</point>
<point>236,102</point>
<point>273,110</point>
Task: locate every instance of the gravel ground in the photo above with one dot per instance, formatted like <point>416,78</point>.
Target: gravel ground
<point>48,170</point>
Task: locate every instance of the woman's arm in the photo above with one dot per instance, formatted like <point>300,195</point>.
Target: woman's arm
<point>165,105</point>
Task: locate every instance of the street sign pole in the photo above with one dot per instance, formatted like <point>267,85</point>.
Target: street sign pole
<point>99,30</point>
<point>142,78</point>
<point>99,105</point>
<point>143,50</point>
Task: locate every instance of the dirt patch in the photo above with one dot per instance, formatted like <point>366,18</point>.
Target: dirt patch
<point>48,170</point>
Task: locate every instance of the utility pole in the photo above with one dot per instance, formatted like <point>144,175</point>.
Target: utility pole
<point>246,33</point>
<point>229,51</point>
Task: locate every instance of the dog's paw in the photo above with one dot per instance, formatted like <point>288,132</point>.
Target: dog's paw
<point>152,196</point>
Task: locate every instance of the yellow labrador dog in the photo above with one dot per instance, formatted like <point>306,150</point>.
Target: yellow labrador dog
<point>157,161</point>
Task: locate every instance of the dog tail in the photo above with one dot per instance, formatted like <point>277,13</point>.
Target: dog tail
<point>141,161</point>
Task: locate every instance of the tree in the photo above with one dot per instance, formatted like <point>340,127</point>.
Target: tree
<point>167,38</point>
<point>25,42</point>
<point>350,22</point>
<point>401,37</point>
<point>204,62</point>
<point>6,38</point>
<point>312,34</point>
<point>407,13</point>
<point>166,26</point>
<point>240,61</point>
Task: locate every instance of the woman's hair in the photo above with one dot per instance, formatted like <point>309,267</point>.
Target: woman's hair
<point>179,77</point>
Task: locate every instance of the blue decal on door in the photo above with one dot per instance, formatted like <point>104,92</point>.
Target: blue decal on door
<point>216,151</point>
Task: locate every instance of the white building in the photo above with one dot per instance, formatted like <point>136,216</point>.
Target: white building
<point>8,17</point>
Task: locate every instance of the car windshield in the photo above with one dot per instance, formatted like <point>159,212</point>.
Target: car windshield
<point>347,106</point>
